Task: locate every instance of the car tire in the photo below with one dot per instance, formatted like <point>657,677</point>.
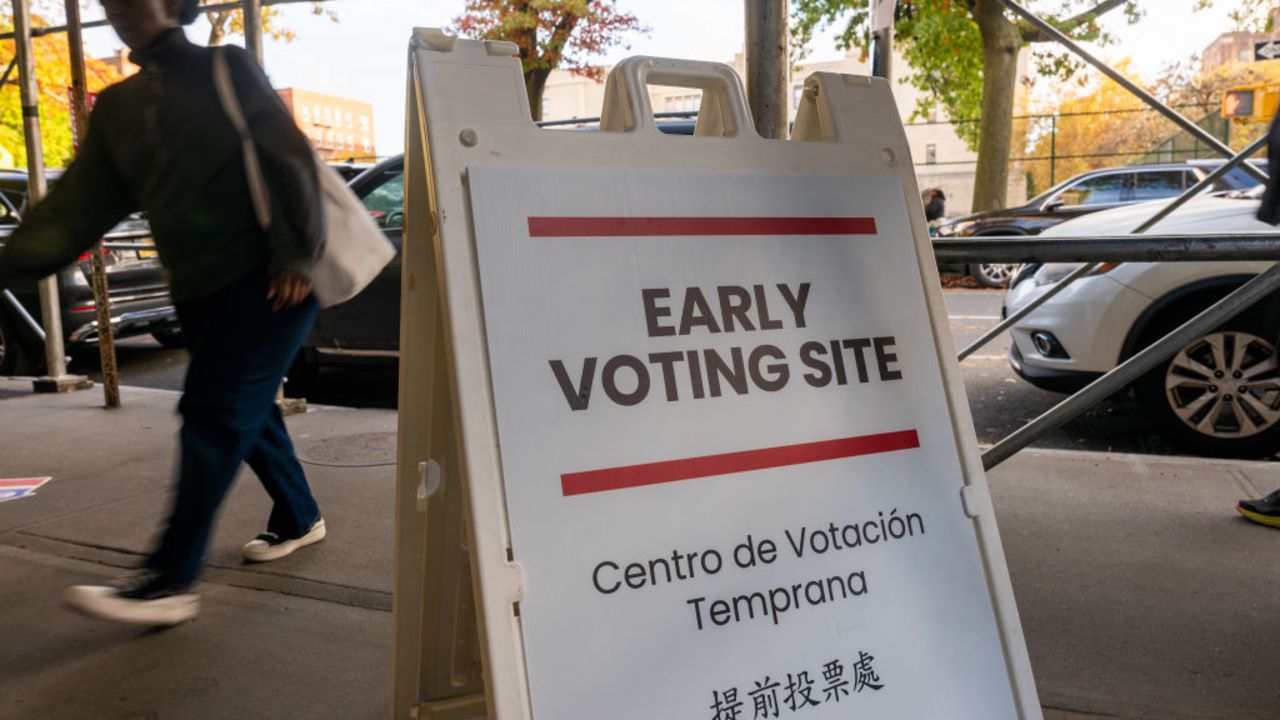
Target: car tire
<point>1189,398</point>
<point>18,356</point>
<point>172,339</point>
<point>303,375</point>
<point>993,275</point>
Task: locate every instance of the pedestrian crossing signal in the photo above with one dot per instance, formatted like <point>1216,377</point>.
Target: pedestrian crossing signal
<point>1254,103</point>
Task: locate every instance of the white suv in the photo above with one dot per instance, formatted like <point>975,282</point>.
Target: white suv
<point>1220,395</point>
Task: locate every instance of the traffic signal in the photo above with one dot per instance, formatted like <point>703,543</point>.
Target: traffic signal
<point>1254,103</point>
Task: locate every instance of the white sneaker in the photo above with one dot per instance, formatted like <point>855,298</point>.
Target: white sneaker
<point>268,546</point>
<point>141,600</point>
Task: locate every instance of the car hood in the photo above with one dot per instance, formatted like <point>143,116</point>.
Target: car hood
<point>1200,215</point>
<point>987,215</point>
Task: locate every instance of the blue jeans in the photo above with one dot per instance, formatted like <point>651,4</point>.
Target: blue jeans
<point>240,349</point>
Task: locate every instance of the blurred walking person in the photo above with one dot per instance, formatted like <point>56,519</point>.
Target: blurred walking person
<point>935,204</point>
<point>160,142</point>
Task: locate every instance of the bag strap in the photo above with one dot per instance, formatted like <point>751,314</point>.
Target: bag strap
<point>252,167</point>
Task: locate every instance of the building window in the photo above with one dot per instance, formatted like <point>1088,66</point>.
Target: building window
<point>364,123</point>
<point>351,142</point>
<point>306,114</point>
<point>930,154</point>
<point>365,144</point>
<point>347,118</point>
<point>683,103</point>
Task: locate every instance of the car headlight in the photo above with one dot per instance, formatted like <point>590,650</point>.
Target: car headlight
<point>1053,273</point>
<point>956,228</point>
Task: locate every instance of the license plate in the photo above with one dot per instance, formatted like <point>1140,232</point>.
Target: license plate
<point>147,254</point>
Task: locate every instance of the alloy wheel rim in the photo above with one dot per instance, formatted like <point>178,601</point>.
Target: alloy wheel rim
<point>997,272</point>
<point>1225,385</point>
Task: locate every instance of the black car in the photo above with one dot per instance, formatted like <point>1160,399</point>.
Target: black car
<point>1081,195</point>
<point>138,291</point>
<point>349,169</point>
<point>366,329</point>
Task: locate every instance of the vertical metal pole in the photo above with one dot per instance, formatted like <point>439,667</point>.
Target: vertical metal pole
<point>767,66</point>
<point>882,54</point>
<point>253,28</point>
<point>50,308</point>
<point>1053,151</point>
<point>101,298</point>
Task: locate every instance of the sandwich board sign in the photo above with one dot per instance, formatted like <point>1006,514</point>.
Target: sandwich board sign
<point>680,419</point>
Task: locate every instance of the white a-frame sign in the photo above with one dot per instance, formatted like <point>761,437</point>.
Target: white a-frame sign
<point>682,433</point>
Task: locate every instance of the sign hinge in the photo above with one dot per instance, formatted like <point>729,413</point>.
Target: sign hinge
<point>976,500</point>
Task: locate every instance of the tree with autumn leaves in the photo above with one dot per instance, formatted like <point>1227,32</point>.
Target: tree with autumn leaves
<point>53,74</point>
<point>223,23</point>
<point>1103,124</point>
<point>550,34</point>
<point>963,55</point>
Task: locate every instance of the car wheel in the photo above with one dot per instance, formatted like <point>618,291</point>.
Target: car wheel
<point>1219,395</point>
<point>993,275</point>
<point>172,339</point>
<point>17,355</point>
<point>303,375</point>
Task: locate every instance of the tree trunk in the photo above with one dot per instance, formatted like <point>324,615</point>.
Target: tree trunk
<point>1000,45</point>
<point>218,27</point>
<point>535,81</point>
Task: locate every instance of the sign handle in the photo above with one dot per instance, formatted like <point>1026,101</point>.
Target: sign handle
<point>724,109</point>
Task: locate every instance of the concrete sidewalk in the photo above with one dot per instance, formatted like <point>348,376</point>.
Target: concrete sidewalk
<point>1141,593</point>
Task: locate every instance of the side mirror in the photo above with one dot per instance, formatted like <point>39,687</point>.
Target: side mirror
<point>1052,204</point>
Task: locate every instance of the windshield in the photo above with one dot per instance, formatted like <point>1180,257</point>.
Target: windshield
<point>1052,191</point>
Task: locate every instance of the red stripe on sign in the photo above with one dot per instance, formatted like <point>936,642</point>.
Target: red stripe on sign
<point>24,482</point>
<point>668,226</point>
<point>593,481</point>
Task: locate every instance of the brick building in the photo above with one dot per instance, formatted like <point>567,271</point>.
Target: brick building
<point>340,128</point>
<point>1237,47</point>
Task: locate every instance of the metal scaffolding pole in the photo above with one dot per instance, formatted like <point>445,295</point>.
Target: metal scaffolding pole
<point>253,28</point>
<point>767,66</point>
<point>56,379</point>
<point>101,298</point>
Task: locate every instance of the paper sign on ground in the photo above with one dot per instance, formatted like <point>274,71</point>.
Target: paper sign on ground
<point>16,488</point>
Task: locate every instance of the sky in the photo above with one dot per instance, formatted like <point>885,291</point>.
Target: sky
<point>364,54</point>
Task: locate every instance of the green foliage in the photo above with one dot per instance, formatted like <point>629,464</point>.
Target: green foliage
<point>945,57</point>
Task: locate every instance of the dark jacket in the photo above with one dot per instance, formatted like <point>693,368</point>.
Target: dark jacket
<point>160,142</point>
<point>1269,211</point>
<point>936,207</point>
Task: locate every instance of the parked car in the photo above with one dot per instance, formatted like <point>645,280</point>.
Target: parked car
<point>138,290</point>
<point>1081,195</point>
<point>349,169</point>
<point>1220,395</point>
<point>366,329</point>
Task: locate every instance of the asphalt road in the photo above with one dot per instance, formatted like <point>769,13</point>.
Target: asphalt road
<point>1001,402</point>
